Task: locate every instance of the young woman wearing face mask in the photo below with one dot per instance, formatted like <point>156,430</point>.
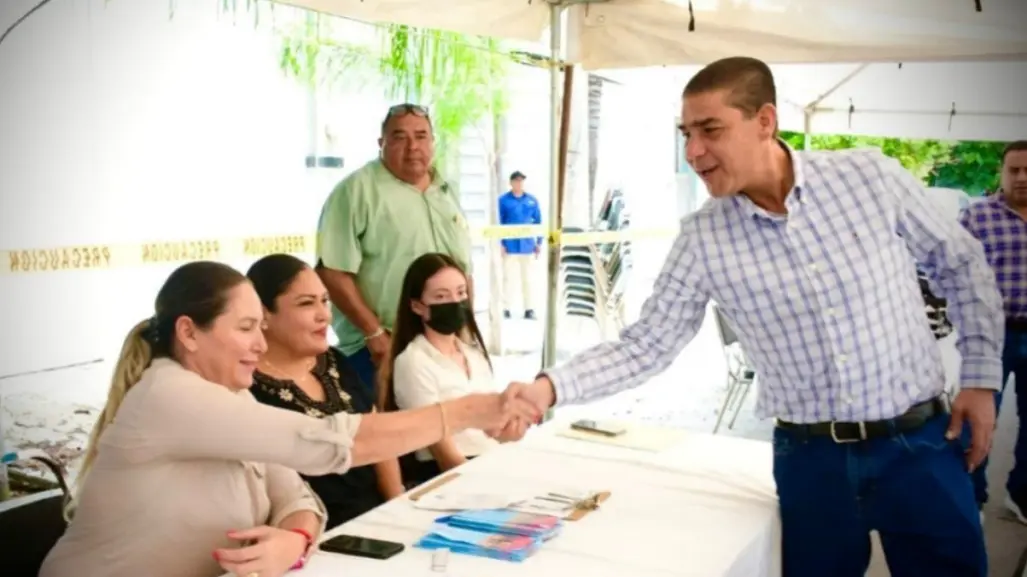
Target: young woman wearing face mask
<point>437,354</point>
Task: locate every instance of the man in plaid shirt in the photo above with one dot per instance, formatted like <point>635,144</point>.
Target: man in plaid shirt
<point>1000,223</point>
<point>810,255</point>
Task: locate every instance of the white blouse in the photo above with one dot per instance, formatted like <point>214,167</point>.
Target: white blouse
<point>423,376</point>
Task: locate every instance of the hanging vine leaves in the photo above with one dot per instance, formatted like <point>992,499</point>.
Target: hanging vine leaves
<point>462,79</point>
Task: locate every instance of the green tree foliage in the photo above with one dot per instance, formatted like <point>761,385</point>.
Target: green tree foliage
<point>972,167</point>
<point>917,156</point>
<point>463,79</point>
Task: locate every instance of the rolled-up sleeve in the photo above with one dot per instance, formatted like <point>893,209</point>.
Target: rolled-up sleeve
<point>289,494</point>
<point>341,228</point>
<point>956,264</point>
<point>179,415</point>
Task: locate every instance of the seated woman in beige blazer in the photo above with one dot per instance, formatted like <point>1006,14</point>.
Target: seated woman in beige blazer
<point>186,475</point>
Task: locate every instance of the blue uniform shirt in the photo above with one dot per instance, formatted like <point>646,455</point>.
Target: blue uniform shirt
<point>519,210</point>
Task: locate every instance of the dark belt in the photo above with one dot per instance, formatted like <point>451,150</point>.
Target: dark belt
<point>843,432</point>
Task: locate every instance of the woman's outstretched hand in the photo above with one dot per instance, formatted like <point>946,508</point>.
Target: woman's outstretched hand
<point>494,412</point>
<point>539,395</point>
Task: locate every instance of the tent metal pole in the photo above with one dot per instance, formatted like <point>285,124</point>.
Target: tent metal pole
<point>553,269</point>
<point>841,83</point>
<point>807,128</point>
<point>810,109</point>
<point>5,486</point>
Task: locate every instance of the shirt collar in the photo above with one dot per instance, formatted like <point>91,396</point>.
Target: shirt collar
<point>795,198</point>
<point>998,201</point>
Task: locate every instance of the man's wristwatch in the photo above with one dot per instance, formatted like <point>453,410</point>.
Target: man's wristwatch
<point>377,333</point>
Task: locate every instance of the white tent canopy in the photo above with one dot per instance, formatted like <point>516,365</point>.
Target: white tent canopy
<point>914,100</point>
<point>944,101</point>
<point>636,33</point>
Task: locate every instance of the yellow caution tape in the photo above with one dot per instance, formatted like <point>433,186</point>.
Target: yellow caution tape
<point>110,256</point>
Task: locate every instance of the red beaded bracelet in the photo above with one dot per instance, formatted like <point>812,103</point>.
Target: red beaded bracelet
<point>310,543</point>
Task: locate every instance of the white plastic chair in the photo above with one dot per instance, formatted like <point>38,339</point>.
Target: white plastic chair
<point>740,374</point>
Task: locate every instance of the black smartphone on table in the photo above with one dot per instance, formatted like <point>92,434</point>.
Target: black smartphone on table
<point>362,547</point>
<point>604,428</point>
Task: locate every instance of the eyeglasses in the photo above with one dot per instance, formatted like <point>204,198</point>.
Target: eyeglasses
<point>403,110</point>
<point>406,108</point>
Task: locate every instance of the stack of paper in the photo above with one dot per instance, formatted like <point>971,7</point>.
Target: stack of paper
<point>493,533</point>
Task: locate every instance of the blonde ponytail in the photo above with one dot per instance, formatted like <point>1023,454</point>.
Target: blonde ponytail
<point>136,355</point>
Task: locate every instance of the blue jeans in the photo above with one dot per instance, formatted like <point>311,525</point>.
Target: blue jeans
<point>1014,362</point>
<point>912,488</point>
<point>363,366</point>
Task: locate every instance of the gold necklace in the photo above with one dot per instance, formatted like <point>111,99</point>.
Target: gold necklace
<point>306,374</point>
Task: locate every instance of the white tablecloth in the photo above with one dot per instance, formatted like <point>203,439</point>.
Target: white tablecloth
<point>704,508</point>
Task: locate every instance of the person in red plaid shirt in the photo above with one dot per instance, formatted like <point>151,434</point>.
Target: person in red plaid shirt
<point>1000,223</point>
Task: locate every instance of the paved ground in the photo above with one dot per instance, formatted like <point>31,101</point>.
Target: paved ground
<point>55,410</point>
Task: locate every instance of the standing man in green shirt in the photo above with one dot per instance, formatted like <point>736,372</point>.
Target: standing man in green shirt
<point>375,223</point>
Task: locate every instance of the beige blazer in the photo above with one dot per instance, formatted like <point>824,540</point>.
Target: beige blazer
<point>184,462</point>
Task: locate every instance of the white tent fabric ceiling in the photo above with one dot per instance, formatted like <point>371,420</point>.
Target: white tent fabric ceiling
<point>946,101</point>
<point>915,100</point>
<point>953,56</point>
<point>635,33</point>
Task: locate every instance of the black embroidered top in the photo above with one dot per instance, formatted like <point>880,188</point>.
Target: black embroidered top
<point>354,493</point>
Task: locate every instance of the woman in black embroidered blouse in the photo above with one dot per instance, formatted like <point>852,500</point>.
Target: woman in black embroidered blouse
<point>300,372</point>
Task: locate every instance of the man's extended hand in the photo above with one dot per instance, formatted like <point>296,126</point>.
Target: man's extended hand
<point>976,408</point>
<point>539,393</point>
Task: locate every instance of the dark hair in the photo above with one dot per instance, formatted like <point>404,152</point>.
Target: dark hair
<point>1018,146</point>
<point>272,275</point>
<point>408,325</point>
<point>749,82</point>
<point>198,290</point>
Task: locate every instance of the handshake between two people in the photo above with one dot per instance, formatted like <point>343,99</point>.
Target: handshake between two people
<point>507,416</point>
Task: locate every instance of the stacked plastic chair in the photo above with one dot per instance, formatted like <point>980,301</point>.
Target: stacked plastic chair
<point>578,278</point>
<point>616,256</point>
<point>594,279</point>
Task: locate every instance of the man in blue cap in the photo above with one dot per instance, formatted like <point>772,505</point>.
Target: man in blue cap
<point>518,208</point>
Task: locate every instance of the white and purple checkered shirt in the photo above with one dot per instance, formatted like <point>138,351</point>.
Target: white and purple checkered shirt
<point>1003,233</point>
<point>825,300</point>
